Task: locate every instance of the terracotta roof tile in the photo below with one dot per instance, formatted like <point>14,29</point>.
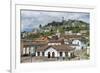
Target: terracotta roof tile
<point>56,47</point>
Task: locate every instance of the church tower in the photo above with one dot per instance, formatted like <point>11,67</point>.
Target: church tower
<point>58,33</point>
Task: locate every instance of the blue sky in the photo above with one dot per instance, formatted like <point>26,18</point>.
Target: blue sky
<point>32,19</point>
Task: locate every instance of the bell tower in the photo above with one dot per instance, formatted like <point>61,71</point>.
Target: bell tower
<point>58,33</point>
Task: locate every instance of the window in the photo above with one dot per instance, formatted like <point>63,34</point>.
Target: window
<point>66,53</point>
<point>42,53</point>
<point>72,54</point>
<point>60,53</point>
<point>53,54</point>
<point>78,43</point>
<point>48,54</point>
<point>38,53</point>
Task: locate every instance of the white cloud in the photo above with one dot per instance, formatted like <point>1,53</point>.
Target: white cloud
<point>31,19</point>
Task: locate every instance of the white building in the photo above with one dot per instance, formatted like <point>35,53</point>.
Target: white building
<point>75,43</point>
<point>68,33</point>
<point>54,42</point>
<point>78,45</point>
<point>53,51</point>
<point>58,33</point>
<point>27,50</point>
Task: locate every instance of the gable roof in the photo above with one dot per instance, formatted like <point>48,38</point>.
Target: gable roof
<point>56,41</point>
<point>56,47</point>
<point>73,37</point>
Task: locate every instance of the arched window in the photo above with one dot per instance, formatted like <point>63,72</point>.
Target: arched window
<point>61,54</point>
<point>66,53</point>
<point>42,53</point>
<point>38,53</point>
<point>48,54</point>
<point>53,54</point>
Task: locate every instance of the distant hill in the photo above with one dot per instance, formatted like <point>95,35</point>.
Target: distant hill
<point>69,23</point>
<point>73,25</point>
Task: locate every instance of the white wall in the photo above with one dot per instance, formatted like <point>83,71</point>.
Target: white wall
<point>23,50</point>
<point>79,43</point>
<point>76,42</point>
<point>51,50</point>
<point>54,43</point>
<point>32,49</point>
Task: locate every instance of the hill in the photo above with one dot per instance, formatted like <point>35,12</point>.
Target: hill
<point>70,25</point>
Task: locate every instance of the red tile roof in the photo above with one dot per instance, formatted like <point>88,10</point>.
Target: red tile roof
<point>72,36</point>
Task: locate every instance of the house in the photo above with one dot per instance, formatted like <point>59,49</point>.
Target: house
<point>55,40</point>
<point>78,44</point>
<point>24,34</point>
<point>68,33</point>
<point>83,31</point>
<point>55,51</point>
<point>69,38</point>
<point>58,34</point>
<point>74,36</point>
<point>67,41</point>
<point>74,41</point>
<point>42,38</point>
<point>52,49</point>
<point>78,34</point>
<point>29,47</point>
